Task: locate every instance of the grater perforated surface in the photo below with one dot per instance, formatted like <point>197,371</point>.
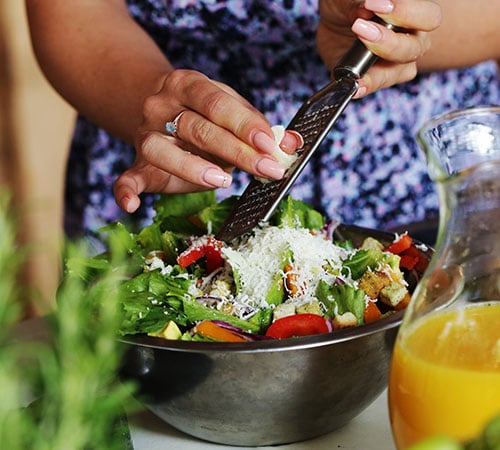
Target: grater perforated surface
<point>313,121</point>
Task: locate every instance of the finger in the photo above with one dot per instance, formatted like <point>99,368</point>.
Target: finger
<point>389,45</point>
<point>224,108</point>
<point>134,181</point>
<point>291,142</point>
<point>166,153</point>
<point>225,146</point>
<point>383,75</point>
<point>423,15</point>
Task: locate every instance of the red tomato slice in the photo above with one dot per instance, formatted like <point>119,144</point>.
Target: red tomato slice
<point>297,325</point>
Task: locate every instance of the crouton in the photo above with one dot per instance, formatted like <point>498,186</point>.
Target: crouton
<point>373,282</point>
<point>345,320</point>
<point>393,294</point>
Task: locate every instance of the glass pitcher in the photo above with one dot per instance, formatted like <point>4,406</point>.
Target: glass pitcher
<point>445,371</point>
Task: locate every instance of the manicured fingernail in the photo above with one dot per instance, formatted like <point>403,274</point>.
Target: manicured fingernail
<point>264,143</point>
<point>217,178</point>
<point>270,168</point>
<point>361,92</point>
<point>380,6</point>
<point>366,30</point>
<point>130,204</point>
<point>291,141</point>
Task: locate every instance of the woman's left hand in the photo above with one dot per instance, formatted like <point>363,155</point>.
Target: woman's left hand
<point>341,21</point>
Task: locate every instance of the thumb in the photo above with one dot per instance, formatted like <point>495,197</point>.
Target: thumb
<point>127,188</point>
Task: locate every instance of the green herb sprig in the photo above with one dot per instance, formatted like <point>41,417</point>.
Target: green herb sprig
<point>62,394</point>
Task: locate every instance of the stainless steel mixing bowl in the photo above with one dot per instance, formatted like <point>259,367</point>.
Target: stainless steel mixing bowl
<point>267,392</point>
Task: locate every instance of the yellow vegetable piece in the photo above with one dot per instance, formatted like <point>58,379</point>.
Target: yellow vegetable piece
<point>169,331</point>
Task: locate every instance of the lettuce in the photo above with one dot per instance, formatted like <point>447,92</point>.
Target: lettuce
<point>358,263</point>
<point>151,299</point>
<point>196,312</point>
<point>297,214</point>
<point>341,298</point>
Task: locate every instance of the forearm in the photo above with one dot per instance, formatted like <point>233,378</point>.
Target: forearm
<point>98,59</point>
<point>469,33</point>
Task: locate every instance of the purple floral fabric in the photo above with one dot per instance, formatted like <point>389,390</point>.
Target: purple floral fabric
<point>369,171</point>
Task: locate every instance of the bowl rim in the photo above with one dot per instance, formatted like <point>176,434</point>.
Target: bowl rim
<point>294,343</point>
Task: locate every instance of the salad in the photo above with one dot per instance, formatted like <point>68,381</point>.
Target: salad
<point>286,278</point>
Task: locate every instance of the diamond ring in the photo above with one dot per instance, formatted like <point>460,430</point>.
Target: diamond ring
<point>171,127</point>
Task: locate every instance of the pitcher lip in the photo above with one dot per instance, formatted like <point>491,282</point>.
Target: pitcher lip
<point>471,110</point>
<point>437,170</point>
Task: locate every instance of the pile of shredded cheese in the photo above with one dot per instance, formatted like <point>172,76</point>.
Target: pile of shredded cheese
<point>260,258</point>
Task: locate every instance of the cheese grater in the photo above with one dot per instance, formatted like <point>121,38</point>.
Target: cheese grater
<point>313,121</point>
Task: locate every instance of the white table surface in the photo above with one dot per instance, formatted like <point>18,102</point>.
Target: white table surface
<point>368,431</point>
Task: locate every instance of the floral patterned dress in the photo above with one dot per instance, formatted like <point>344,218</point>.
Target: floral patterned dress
<point>369,171</point>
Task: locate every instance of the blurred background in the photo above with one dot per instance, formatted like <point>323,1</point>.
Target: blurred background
<point>35,128</point>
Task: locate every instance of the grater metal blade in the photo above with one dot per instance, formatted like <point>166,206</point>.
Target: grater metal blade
<point>313,121</point>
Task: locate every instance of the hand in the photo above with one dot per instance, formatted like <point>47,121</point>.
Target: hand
<point>341,21</point>
<point>217,131</point>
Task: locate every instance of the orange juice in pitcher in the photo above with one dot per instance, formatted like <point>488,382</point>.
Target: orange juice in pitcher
<point>445,370</point>
<point>440,383</point>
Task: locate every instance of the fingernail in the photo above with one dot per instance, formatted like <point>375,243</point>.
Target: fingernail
<point>380,6</point>
<point>217,178</point>
<point>366,30</point>
<point>270,168</point>
<point>264,143</point>
<point>130,204</point>
<point>291,141</point>
<point>361,92</point>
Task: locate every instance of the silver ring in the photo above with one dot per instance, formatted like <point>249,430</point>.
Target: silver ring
<point>171,127</point>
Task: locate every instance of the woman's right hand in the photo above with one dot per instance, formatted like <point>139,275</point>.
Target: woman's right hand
<point>341,21</point>
<point>217,130</point>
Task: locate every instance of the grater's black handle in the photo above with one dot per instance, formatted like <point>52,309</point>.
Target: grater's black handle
<point>358,59</point>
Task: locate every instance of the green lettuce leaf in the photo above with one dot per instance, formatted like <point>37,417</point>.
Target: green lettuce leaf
<point>195,312</point>
<point>358,263</point>
<point>150,299</point>
<point>297,214</point>
<point>341,298</point>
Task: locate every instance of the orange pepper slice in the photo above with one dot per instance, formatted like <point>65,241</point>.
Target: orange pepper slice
<point>211,330</point>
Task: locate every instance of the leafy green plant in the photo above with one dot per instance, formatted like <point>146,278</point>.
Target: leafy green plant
<point>63,393</point>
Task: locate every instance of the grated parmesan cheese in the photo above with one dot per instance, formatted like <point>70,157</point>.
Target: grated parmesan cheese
<point>260,257</point>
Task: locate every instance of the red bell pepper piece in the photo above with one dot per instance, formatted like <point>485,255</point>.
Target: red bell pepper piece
<point>211,250</point>
<point>213,255</point>
<point>400,244</point>
<point>297,325</point>
<point>190,255</point>
<point>413,258</point>
<point>407,261</point>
